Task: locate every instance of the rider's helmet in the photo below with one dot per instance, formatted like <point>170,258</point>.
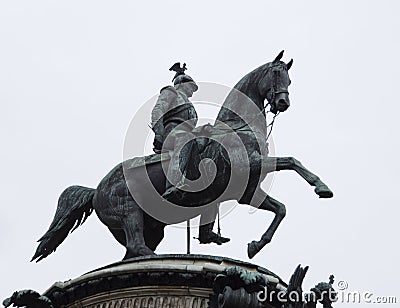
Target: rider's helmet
<point>180,76</point>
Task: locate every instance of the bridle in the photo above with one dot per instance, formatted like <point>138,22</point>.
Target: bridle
<point>274,90</point>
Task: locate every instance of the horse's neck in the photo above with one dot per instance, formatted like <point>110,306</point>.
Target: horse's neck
<point>243,104</point>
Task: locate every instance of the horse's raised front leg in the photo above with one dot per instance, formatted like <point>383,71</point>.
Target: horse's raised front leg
<point>264,202</point>
<point>291,163</point>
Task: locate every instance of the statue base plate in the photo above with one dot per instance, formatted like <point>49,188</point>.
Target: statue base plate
<point>158,281</point>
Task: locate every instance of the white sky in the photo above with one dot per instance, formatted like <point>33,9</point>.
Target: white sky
<point>73,73</point>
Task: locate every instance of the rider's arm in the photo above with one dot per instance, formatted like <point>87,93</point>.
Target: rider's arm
<point>166,98</point>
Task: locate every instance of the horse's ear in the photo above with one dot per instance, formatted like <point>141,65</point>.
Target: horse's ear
<point>289,65</point>
<point>278,57</point>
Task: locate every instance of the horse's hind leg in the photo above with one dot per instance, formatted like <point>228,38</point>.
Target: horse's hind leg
<point>291,163</point>
<point>119,235</point>
<point>133,228</point>
<point>264,202</point>
<point>153,235</point>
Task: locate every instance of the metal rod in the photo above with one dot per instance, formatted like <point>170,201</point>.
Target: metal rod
<point>219,225</point>
<point>188,236</point>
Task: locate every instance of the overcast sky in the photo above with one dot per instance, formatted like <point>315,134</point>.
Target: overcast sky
<point>74,73</point>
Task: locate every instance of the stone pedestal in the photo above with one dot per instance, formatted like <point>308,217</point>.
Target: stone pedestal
<point>161,281</point>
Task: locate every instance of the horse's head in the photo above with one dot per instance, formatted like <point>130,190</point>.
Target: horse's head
<point>274,84</point>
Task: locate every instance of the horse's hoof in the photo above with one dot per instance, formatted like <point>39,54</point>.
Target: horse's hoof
<point>323,191</point>
<point>140,251</point>
<point>146,252</point>
<point>252,249</point>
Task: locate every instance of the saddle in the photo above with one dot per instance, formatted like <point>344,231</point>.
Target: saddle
<point>142,161</point>
<point>202,133</point>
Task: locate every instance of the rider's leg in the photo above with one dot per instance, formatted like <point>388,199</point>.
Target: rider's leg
<point>180,156</point>
<point>207,220</point>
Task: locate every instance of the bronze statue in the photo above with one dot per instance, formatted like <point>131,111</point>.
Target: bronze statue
<point>237,146</point>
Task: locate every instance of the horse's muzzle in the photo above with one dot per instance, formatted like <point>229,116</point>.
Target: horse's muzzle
<point>281,103</point>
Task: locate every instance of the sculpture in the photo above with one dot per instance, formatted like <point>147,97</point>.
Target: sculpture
<point>237,287</point>
<point>28,298</point>
<point>240,127</point>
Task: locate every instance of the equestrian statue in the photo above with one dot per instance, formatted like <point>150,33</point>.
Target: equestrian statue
<point>193,169</point>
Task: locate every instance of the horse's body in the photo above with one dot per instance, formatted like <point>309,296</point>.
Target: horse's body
<point>238,148</point>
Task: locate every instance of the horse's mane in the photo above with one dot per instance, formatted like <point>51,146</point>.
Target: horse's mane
<point>248,86</point>
<point>254,76</point>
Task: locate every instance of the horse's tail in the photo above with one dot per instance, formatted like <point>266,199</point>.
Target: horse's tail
<point>74,206</point>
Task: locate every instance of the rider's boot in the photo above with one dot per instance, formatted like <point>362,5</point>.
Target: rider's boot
<point>207,236</point>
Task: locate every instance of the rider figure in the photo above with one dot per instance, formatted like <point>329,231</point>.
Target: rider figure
<point>173,118</point>
<point>174,114</point>
<point>173,108</point>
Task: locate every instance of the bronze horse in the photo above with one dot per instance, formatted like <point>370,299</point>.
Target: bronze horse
<point>238,148</point>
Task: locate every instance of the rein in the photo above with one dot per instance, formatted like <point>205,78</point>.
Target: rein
<point>271,125</point>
